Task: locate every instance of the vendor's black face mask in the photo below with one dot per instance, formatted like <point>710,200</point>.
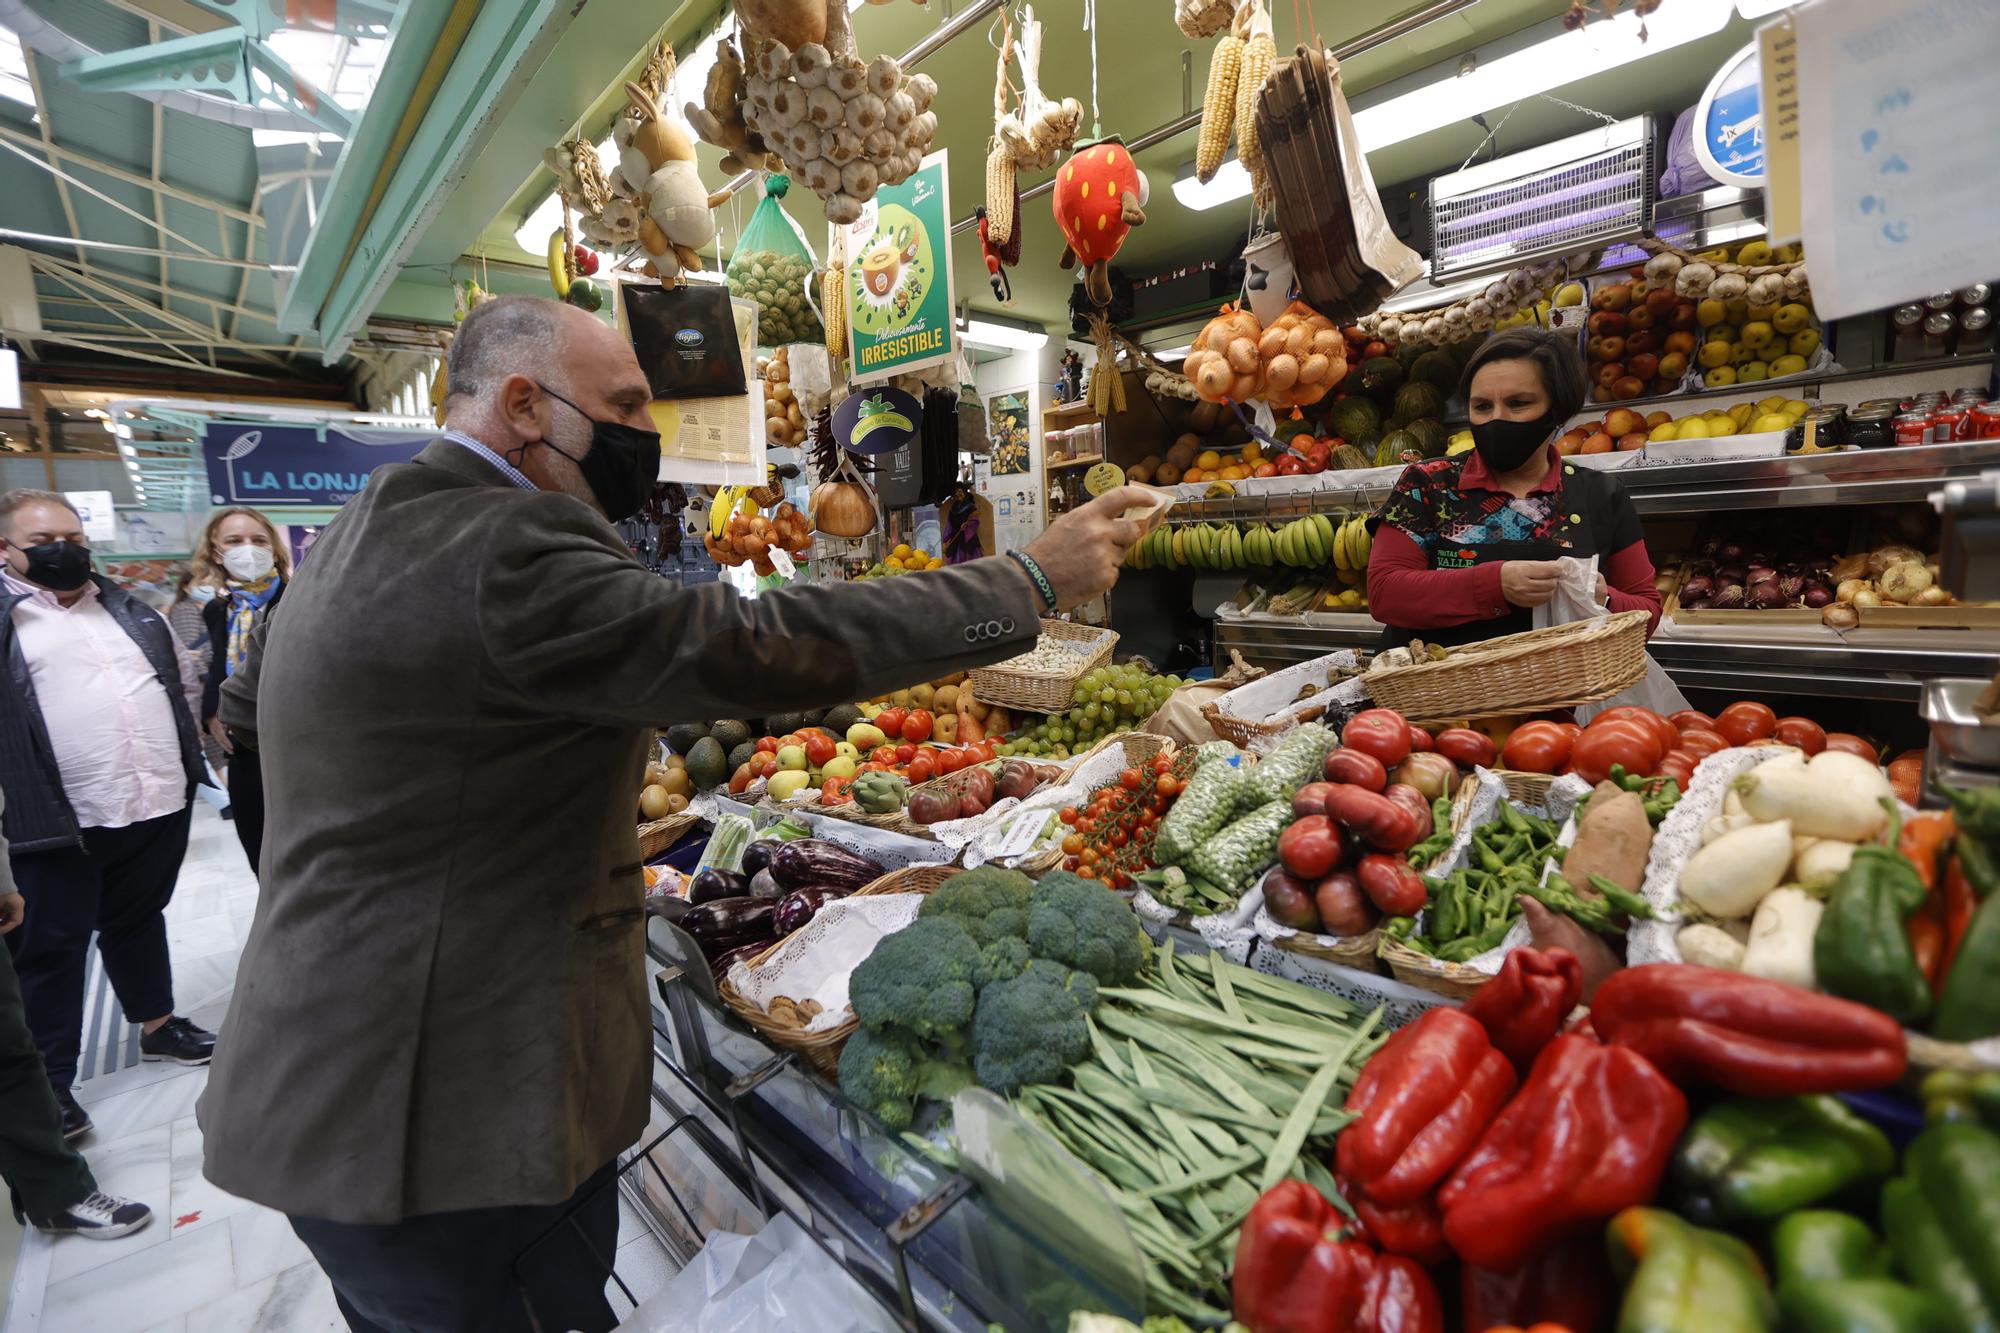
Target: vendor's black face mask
<point>1505,445</point>
<point>58,566</point>
<point>622,465</point>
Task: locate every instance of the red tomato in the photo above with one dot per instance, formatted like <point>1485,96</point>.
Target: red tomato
<point>1692,717</point>
<point>1669,735</point>
<point>1070,814</point>
<point>1311,847</point>
<point>1131,779</point>
<point>985,751</point>
<point>1420,740</point>
<point>1167,787</point>
<point>1803,732</point>
<point>917,725</point>
<point>1627,744</point>
<point>1466,747</point>
<point>1381,732</point>
<point>1536,747</point>
<point>819,748</point>
<point>922,769</point>
<point>763,764</point>
<point>1702,743</point>
<point>1678,765</point>
<point>905,753</point>
<point>834,791</point>
<point>891,721</point>
<point>1745,721</point>
<point>1853,744</point>
<point>767,745</point>
<point>883,754</point>
<point>1162,762</point>
<point>1358,767</point>
<point>950,760</point>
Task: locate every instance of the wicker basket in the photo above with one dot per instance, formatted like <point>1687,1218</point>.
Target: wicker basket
<point>657,836</point>
<point>899,821</point>
<point>1040,689</point>
<point>1578,663</point>
<point>822,1049</point>
<point>1140,747</point>
<point>1355,951</point>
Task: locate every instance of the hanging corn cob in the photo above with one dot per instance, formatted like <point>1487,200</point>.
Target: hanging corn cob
<point>833,299</point>
<point>1260,52</point>
<point>1218,104</point>
<point>1000,191</point>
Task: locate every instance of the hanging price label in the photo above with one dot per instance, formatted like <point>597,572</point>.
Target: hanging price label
<point>781,561</point>
<point>1103,477</point>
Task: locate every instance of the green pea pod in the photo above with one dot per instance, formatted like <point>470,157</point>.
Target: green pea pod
<point>1861,1305</point>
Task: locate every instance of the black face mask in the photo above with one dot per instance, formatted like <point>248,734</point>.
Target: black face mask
<point>623,463</point>
<point>1505,445</point>
<point>58,566</point>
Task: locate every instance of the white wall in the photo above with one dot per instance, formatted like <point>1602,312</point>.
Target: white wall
<point>1032,373</point>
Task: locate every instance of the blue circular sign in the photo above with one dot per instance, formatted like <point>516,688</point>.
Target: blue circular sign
<point>1729,121</point>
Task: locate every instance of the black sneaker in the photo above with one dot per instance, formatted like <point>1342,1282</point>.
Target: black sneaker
<point>75,1120</point>
<point>100,1217</point>
<point>178,1040</point>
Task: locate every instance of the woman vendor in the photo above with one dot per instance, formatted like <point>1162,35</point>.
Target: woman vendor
<point>1465,548</point>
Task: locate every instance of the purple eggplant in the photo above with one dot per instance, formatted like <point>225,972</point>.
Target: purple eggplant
<point>713,885</point>
<point>814,863</point>
<point>795,909</point>
<point>728,924</point>
<point>719,964</point>
<point>765,887</point>
<point>758,854</point>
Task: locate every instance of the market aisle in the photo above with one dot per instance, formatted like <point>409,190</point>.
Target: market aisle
<point>209,1261</point>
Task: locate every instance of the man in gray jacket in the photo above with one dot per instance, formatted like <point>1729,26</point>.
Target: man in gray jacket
<point>439,1034</point>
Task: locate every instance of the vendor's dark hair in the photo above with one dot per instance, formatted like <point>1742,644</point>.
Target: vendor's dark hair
<point>1553,353</point>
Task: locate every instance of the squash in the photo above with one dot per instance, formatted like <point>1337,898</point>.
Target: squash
<point>842,509</point>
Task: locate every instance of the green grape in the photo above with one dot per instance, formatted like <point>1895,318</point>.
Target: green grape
<point>1124,699</point>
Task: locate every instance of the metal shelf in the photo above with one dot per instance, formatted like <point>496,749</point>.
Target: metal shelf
<point>1862,664</point>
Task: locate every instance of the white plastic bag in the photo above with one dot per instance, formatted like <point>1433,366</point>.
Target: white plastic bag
<point>1576,599</point>
<point>778,1278</point>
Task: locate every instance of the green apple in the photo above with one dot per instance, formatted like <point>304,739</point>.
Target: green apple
<point>847,748</point>
<point>865,736</point>
<point>787,782</point>
<point>792,758</point>
<point>840,766</point>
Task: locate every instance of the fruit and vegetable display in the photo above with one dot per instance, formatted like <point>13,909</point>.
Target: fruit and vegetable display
<point>1104,702</point>
<point>739,532</point>
<point>1625,429</point>
<point>902,559</point>
<point>1798,564</point>
<point>749,892</point>
<point>1110,837</point>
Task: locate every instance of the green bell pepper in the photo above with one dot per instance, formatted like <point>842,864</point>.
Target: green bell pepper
<point>1952,1096</point>
<point>1683,1279</point>
<point>1942,1218</point>
<point>1969,1006</point>
<point>1977,811</point>
<point>1861,950</point>
<point>1745,1160</point>
<point>1833,1277</point>
<point>1820,1245</point>
<point>1980,860</point>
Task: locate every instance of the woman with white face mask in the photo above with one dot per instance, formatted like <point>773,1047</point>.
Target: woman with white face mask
<point>241,555</point>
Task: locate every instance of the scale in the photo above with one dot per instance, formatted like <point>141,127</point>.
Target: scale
<point>1964,750</point>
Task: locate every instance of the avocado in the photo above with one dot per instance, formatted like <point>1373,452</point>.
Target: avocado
<point>730,732</point>
<point>741,755</point>
<point>779,724</point>
<point>707,766</point>
<point>812,717</point>
<point>682,735</point>
<point>840,717</point>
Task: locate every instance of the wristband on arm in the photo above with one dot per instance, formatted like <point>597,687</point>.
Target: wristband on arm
<point>1036,576</point>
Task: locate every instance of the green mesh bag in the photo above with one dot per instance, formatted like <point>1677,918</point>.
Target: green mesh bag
<point>773,266</point>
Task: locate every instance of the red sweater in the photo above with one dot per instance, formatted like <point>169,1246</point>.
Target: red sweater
<point>1400,577</point>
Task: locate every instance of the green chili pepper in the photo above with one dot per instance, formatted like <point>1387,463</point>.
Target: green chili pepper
<point>1978,811</point>
<point>1441,816</point>
<point>1399,927</point>
<point>1631,904</point>
<point>1510,818</point>
<point>1981,864</point>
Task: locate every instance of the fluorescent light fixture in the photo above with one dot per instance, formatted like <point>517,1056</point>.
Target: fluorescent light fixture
<point>14,85</point>
<point>1540,67</point>
<point>1002,337</point>
<point>1174,353</point>
<point>1229,184</point>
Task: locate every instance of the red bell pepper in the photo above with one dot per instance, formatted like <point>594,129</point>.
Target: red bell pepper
<point>1588,1134</point>
<point>1568,1287</point>
<point>1748,1035</point>
<point>1294,1273</point>
<point>1523,1007</point>
<point>1420,1104</point>
<point>1413,1229</point>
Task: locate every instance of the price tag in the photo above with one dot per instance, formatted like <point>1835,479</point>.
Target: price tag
<point>1148,516</point>
<point>1103,477</point>
<point>1023,830</point>
<point>781,561</point>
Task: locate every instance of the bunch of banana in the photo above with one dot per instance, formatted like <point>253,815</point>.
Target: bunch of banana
<point>1260,545</point>
<point>729,500</point>
<point>1351,543</point>
<point>1305,543</point>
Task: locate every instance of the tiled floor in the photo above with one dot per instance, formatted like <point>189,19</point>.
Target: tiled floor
<point>209,1262</point>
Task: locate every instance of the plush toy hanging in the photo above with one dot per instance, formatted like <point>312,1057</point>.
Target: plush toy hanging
<point>1099,197</point>
<point>678,220</point>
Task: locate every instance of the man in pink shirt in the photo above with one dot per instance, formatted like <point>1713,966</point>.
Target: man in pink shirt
<point>99,758</point>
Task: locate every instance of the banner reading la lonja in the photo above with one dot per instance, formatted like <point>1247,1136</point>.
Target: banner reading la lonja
<point>899,300</point>
<point>263,464</point>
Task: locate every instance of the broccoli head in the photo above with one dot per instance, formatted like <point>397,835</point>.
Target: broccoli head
<point>991,903</point>
<point>1082,923</point>
<point>882,1073</point>
<point>1030,1028</point>
<point>1004,958</point>
<point>922,980</point>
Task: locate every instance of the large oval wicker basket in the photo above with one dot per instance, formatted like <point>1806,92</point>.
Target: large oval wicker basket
<point>822,1049</point>
<point>1558,667</point>
<point>1044,689</point>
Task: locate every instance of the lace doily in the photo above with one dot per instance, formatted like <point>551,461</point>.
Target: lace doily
<point>815,962</point>
<point>1401,1004</point>
<point>1276,695</point>
<point>1220,931</point>
<point>1678,838</point>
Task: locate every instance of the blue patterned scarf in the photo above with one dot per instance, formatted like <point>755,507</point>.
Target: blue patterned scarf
<point>245,601</point>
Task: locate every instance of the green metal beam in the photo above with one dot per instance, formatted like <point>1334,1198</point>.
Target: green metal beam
<point>350,18</point>
<point>229,62</point>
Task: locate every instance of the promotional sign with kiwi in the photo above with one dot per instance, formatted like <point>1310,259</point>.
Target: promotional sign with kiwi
<point>899,277</point>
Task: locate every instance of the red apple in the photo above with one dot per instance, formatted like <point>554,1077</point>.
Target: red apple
<point>1639,317</point>
<point>1631,440</point>
<point>1612,298</point>
<point>1614,349</point>
<point>1606,322</point>
<point>1678,341</point>
<point>1664,385</point>
<point>1662,301</point>
<point>1683,316</point>
<point>1628,386</point>
<point>1594,348</point>
<point>1645,365</point>
<point>1608,373</point>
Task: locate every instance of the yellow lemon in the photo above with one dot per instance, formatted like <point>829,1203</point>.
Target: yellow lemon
<point>1771,421</point>
<point>1570,293</point>
<point>902,549</point>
